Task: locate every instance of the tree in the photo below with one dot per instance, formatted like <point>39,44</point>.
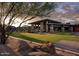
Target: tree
<point>14,10</point>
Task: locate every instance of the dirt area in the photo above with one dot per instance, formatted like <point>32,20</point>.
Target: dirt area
<point>17,47</point>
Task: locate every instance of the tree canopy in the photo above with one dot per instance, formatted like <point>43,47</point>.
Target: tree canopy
<point>14,10</point>
<point>24,10</point>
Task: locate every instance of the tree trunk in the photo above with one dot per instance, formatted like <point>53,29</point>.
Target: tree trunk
<point>2,36</point>
<point>2,39</point>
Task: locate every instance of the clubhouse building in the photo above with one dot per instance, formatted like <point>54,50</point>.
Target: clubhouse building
<point>51,25</point>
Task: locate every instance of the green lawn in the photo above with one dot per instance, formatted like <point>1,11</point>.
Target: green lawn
<point>46,36</point>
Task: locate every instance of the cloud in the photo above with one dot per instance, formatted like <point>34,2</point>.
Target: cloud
<point>68,7</point>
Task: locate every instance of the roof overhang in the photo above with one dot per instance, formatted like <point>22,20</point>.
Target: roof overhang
<point>45,19</point>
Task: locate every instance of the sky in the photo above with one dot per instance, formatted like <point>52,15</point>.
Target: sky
<point>68,7</point>
<point>62,7</point>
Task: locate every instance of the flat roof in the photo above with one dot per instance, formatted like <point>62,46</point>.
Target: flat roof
<point>63,21</point>
<point>43,19</point>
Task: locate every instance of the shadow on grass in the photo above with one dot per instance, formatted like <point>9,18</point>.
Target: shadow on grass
<point>18,35</point>
<point>64,33</point>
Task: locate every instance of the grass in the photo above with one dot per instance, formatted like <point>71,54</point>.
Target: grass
<point>46,36</point>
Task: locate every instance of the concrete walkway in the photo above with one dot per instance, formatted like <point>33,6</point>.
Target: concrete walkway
<point>70,46</point>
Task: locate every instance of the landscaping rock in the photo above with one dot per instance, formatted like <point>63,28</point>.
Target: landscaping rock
<point>49,47</point>
<point>24,47</point>
<point>19,46</point>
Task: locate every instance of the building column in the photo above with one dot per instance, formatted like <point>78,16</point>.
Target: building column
<point>56,29</point>
<point>41,26</point>
<point>38,27</point>
<point>32,30</point>
<point>35,28</point>
<point>63,29</point>
<point>47,26</point>
<point>51,28</point>
<point>71,29</point>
